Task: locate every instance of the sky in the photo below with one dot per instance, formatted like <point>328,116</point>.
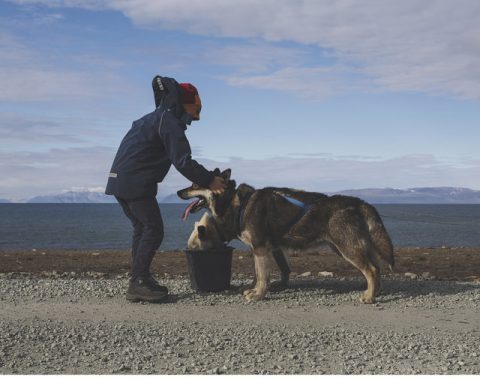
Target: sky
<point>318,95</point>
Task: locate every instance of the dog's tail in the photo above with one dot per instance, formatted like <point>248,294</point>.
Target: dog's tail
<point>379,235</point>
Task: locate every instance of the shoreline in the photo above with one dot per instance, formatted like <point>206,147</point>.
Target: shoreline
<point>444,263</point>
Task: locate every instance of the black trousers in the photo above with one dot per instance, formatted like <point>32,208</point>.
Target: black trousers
<point>147,225</point>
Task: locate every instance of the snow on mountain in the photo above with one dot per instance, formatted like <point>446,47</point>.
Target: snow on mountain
<point>374,195</point>
<point>417,195</point>
<point>85,196</point>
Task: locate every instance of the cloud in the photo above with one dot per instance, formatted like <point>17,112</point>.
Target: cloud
<point>12,51</point>
<point>33,131</point>
<point>255,57</point>
<point>334,174</point>
<point>46,85</point>
<point>25,174</point>
<point>412,45</point>
<point>29,74</point>
<point>311,83</point>
<point>19,129</point>
<point>85,4</point>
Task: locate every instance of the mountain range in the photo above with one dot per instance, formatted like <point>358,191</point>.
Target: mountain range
<point>74,197</point>
<point>430,195</point>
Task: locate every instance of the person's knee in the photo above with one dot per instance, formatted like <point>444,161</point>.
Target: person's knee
<point>154,233</point>
<point>137,230</point>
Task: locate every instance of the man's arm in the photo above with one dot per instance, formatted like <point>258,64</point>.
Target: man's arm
<point>179,152</point>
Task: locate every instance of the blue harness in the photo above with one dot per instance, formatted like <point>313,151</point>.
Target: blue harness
<point>296,202</point>
<point>304,209</point>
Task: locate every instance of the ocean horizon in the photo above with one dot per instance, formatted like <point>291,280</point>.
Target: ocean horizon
<point>26,226</point>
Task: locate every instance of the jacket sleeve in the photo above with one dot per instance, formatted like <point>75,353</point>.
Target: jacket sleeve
<point>178,151</point>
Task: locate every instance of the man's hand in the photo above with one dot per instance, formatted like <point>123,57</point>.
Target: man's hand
<point>217,185</point>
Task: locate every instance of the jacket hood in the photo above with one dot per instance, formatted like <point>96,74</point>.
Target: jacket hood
<point>172,101</point>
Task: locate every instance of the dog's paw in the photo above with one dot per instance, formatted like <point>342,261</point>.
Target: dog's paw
<point>253,295</point>
<point>368,299</point>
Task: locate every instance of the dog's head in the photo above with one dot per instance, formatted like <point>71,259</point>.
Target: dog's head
<point>216,203</point>
<point>205,235</point>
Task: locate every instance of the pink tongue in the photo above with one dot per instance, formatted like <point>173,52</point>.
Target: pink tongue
<point>187,210</point>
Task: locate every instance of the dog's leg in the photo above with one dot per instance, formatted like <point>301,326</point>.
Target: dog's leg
<point>254,282</point>
<point>373,256</point>
<point>282,263</point>
<point>371,274</point>
<point>262,273</point>
<point>357,256</point>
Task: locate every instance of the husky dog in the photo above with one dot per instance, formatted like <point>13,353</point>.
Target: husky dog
<point>272,218</point>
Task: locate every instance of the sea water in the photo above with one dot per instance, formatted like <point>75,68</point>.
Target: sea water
<point>100,226</point>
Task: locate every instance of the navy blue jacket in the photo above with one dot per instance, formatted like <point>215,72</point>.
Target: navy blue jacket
<point>151,146</point>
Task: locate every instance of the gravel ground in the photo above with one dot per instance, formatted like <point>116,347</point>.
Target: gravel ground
<point>317,326</point>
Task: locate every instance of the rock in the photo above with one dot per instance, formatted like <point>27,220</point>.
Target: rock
<point>411,276</point>
<point>325,274</point>
<point>427,276</point>
<point>306,274</point>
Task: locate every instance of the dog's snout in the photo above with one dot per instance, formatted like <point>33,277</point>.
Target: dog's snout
<point>182,193</point>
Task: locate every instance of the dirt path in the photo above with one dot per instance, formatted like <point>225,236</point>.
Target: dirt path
<point>316,326</point>
<point>309,316</point>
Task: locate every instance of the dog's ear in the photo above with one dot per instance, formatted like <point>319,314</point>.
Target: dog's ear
<point>217,172</point>
<point>202,232</point>
<point>226,174</point>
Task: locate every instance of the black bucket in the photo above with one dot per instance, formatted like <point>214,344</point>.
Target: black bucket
<point>210,271</point>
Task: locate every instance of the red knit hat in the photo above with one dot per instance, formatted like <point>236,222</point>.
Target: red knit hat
<point>187,93</point>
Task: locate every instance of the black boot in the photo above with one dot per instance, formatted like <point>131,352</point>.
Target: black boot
<point>156,285</point>
<point>146,289</point>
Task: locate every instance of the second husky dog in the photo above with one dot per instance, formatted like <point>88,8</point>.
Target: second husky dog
<point>272,218</point>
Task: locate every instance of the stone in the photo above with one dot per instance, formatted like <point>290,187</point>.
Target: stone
<point>325,274</point>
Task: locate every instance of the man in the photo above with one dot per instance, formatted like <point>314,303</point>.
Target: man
<point>151,146</point>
